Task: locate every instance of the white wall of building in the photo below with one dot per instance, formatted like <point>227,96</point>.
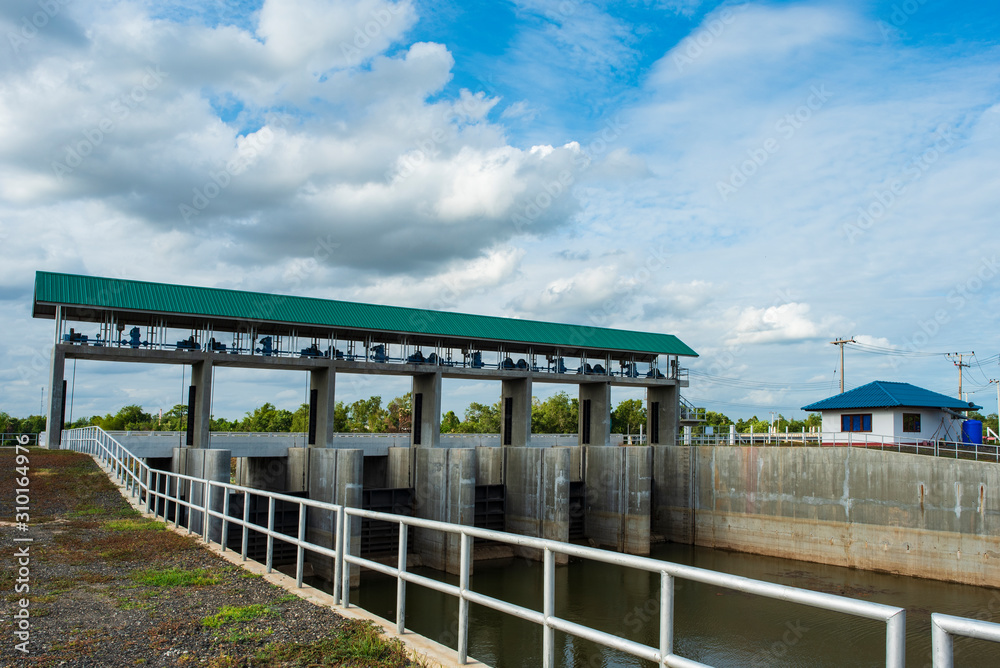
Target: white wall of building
<point>888,422</point>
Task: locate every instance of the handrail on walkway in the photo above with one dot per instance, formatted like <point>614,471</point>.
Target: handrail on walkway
<point>139,479</point>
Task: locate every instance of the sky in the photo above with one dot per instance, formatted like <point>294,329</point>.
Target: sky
<point>757,178</point>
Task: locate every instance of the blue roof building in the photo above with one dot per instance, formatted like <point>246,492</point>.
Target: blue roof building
<point>897,410</point>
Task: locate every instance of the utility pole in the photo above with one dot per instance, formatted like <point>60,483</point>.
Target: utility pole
<point>997,383</point>
<point>841,342</point>
<point>960,365</point>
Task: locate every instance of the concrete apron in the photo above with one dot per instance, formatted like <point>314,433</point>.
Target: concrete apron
<point>433,654</point>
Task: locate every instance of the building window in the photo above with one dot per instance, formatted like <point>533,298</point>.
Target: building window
<point>861,422</point>
<point>911,422</point>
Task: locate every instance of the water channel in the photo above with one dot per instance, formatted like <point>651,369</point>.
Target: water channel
<point>715,626</point>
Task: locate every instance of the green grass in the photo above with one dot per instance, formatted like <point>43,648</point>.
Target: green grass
<point>135,525</point>
<point>355,640</point>
<point>231,614</point>
<point>175,577</point>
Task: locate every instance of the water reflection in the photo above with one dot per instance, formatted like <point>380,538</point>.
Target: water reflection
<point>715,626</point>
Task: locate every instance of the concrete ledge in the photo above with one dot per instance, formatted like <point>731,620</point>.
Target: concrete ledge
<point>433,654</point>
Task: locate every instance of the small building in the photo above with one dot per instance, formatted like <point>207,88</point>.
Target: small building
<point>892,410</point>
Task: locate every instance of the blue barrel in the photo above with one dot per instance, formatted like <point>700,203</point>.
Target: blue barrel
<point>972,432</point>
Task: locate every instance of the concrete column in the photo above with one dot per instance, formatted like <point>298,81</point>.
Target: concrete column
<point>515,412</point>
<point>335,476</point>
<point>54,423</point>
<point>269,474</point>
<point>662,411</point>
<point>201,380</point>
<point>323,381</point>
<point>618,498</point>
<point>400,470</point>
<point>538,496</point>
<point>489,465</point>
<point>445,490</point>
<point>208,465</point>
<point>297,470</point>
<point>595,403</point>
<point>426,410</point>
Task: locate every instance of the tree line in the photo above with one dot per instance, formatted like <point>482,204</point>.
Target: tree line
<point>558,414</point>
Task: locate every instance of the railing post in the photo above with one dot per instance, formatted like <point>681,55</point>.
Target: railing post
<point>895,640</point>
<point>270,530</point>
<point>345,546</point>
<point>942,646</point>
<point>300,553</point>
<point>224,537</point>
<point>149,488</point>
<point>463,602</point>
<point>548,609</point>
<point>207,485</point>
<point>246,524</point>
<point>666,617</point>
<point>400,582</point>
<point>338,560</point>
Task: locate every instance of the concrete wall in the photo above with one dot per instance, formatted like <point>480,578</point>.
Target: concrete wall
<point>672,494</point>
<point>335,476</point>
<point>444,490</point>
<point>618,497</point>
<point>537,499</point>
<point>211,465</point>
<point>490,467</point>
<point>267,473</point>
<point>908,514</point>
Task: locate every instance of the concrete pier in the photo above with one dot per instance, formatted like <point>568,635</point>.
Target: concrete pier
<point>322,400</point>
<point>662,419</point>
<point>618,497</point>
<point>426,410</point>
<point>515,411</point>
<point>199,419</point>
<point>537,497</point>
<point>334,476</point>
<point>211,465</point>
<point>57,398</point>
<point>445,490</point>
<point>266,473</point>
<point>595,414</point>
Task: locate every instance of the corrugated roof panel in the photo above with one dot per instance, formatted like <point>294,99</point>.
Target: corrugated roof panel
<point>215,302</point>
<point>887,394</point>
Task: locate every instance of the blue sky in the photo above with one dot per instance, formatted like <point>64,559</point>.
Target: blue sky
<point>794,172</point>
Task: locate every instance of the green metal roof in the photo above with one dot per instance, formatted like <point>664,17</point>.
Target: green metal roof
<point>163,298</point>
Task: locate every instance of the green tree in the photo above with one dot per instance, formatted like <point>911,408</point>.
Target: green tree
<point>300,419</point>
<point>366,415</point>
<point>481,419</point>
<point>399,414</point>
<point>339,417</point>
<point>450,423</point>
<point>174,419</point>
<point>627,416</point>
<point>556,415</point>
<point>267,418</point>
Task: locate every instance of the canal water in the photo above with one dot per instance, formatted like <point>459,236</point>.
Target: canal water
<point>715,626</point>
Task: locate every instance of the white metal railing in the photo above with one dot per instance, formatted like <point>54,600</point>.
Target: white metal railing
<point>943,627</point>
<point>921,446</point>
<point>11,439</point>
<point>144,483</point>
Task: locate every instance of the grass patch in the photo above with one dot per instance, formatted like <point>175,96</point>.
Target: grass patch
<point>123,603</point>
<point>354,641</point>
<point>175,577</point>
<point>140,524</point>
<point>237,635</point>
<point>231,614</point>
<point>286,598</point>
